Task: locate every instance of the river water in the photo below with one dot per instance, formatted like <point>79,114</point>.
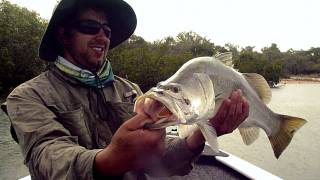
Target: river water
<point>301,159</point>
<point>11,162</point>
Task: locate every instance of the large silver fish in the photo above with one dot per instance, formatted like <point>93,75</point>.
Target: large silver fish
<point>196,91</point>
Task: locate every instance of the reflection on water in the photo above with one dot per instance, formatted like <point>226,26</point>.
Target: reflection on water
<point>301,159</point>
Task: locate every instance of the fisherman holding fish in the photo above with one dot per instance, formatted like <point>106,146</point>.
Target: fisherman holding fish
<point>76,120</point>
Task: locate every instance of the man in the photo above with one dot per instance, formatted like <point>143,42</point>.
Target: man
<point>76,120</point>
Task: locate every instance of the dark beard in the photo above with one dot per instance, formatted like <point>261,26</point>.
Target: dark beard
<point>94,68</point>
<point>97,67</point>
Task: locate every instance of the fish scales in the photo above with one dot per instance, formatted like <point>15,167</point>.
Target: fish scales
<point>195,92</point>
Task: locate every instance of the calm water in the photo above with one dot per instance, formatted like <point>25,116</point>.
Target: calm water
<point>11,163</point>
<point>301,159</point>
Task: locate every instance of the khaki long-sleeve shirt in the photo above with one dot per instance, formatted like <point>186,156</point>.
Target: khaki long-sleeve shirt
<point>62,124</point>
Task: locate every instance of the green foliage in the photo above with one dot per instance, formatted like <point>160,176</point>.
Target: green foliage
<point>302,62</point>
<point>272,53</point>
<point>20,33</point>
<point>264,63</point>
<point>148,63</point>
<point>197,45</point>
<point>145,63</point>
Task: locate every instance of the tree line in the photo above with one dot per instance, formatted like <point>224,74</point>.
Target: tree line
<point>143,62</point>
<point>147,63</point>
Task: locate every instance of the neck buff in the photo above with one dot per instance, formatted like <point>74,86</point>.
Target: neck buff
<point>101,79</point>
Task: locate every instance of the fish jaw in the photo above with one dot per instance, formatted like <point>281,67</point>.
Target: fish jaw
<point>189,100</point>
<point>173,110</point>
<point>177,116</point>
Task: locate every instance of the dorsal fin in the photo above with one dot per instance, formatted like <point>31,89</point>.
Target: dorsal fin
<point>260,85</point>
<point>225,58</point>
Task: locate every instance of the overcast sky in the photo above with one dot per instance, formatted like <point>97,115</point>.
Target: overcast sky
<point>288,23</point>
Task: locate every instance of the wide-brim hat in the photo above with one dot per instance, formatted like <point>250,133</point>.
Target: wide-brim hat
<point>121,18</point>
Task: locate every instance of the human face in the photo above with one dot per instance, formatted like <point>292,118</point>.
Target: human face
<point>87,51</point>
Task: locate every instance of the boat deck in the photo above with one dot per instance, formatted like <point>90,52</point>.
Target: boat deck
<point>207,167</point>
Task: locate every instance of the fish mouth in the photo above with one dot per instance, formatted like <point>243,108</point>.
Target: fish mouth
<point>174,117</point>
<point>186,105</point>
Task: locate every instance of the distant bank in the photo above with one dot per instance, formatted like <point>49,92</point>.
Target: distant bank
<point>301,79</point>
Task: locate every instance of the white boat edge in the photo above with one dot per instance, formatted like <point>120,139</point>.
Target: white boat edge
<point>245,168</point>
<point>240,165</point>
<point>26,178</point>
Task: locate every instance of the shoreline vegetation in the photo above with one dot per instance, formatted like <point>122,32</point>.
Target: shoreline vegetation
<point>301,79</point>
<point>145,63</point>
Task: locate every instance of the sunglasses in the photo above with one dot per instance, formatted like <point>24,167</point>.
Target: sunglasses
<point>92,27</point>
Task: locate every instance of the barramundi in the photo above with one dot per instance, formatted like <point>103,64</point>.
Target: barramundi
<point>195,92</point>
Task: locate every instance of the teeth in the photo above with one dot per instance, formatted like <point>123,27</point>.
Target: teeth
<point>98,49</point>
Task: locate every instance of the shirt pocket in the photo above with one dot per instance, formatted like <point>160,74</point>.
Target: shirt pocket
<point>130,96</point>
<point>74,121</point>
<point>119,112</point>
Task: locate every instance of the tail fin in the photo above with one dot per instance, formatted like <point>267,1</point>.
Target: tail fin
<point>289,125</point>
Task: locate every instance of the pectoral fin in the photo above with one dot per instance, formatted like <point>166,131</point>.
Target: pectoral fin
<point>249,134</point>
<point>289,125</point>
<point>185,130</point>
<point>208,97</point>
<point>210,136</point>
<point>206,84</point>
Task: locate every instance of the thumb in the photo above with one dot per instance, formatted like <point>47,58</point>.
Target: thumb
<point>139,105</point>
<point>137,122</point>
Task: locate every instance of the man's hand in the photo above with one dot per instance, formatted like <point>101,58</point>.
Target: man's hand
<point>131,148</point>
<point>231,114</point>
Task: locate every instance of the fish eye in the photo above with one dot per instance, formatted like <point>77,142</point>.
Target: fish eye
<point>160,92</point>
<point>175,89</point>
